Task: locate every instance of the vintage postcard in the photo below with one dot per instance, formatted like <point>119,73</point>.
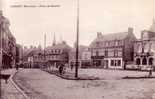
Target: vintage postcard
<point>77,49</point>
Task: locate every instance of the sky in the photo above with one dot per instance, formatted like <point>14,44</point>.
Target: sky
<point>29,24</point>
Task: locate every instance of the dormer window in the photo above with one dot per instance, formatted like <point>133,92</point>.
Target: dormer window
<point>120,42</point>
<point>106,44</point>
<point>97,44</point>
<point>97,53</point>
<point>116,43</point>
<point>59,51</point>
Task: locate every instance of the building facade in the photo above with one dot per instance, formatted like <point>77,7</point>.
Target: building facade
<point>54,55</point>
<point>36,59</point>
<point>7,43</point>
<point>57,54</point>
<point>144,49</point>
<point>84,58</point>
<point>33,57</point>
<point>113,50</point>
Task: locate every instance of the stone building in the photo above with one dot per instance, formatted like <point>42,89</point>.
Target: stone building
<point>113,50</point>
<point>50,56</point>
<point>7,42</point>
<point>36,58</point>
<point>32,56</point>
<point>144,49</point>
<point>57,54</point>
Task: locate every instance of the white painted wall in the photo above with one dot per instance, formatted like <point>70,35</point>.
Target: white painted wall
<point>119,67</point>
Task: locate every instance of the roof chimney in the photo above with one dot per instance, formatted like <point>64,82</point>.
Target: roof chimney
<point>1,12</point>
<point>54,40</point>
<point>130,30</point>
<point>99,34</point>
<point>63,42</point>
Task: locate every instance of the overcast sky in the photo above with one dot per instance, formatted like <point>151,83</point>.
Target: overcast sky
<point>29,24</point>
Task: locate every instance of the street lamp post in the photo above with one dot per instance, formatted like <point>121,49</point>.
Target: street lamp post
<point>77,41</point>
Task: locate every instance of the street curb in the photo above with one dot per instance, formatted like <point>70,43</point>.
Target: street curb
<point>16,86</point>
<point>70,78</point>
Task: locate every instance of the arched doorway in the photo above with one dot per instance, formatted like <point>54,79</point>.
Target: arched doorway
<point>144,61</point>
<point>138,61</point>
<point>150,61</point>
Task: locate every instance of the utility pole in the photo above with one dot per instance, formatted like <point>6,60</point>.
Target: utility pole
<point>77,42</point>
<point>22,56</point>
<point>44,49</point>
<point>1,55</point>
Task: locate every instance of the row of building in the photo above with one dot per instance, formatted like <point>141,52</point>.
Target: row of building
<point>9,49</point>
<point>144,48</point>
<point>114,50</point>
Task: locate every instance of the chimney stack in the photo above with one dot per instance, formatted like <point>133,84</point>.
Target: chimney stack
<point>99,34</point>
<point>1,13</point>
<point>130,30</point>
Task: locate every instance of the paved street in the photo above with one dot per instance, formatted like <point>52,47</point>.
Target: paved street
<point>41,85</point>
<point>110,74</point>
<point>8,90</point>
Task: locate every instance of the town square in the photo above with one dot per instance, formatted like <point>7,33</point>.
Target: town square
<point>61,53</point>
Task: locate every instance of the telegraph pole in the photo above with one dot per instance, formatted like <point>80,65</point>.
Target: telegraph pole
<point>77,42</point>
<point>44,48</point>
<point>1,54</point>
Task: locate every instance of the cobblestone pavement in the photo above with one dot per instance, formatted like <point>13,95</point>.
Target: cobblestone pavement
<point>42,85</point>
<point>8,90</point>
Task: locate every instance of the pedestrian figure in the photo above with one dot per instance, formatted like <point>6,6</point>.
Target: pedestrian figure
<point>71,67</point>
<point>61,69</point>
<point>150,71</point>
<point>17,67</point>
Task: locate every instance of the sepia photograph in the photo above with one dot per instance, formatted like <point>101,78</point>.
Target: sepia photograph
<point>77,49</point>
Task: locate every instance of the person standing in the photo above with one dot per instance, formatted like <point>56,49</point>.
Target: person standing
<point>61,69</point>
<point>17,66</point>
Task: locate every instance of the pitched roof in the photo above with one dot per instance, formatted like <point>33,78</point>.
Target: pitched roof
<point>59,46</point>
<point>34,52</point>
<point>113,36</point>
<point>110,37</point>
